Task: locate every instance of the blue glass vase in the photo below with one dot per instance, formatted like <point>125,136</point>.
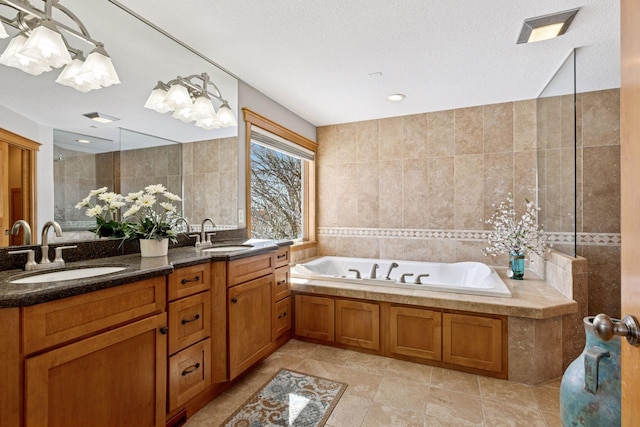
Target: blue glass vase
<point>516,265</point>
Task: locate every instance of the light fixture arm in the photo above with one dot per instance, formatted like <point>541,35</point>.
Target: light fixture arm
<point>24,7</point>
<point>196,89</point>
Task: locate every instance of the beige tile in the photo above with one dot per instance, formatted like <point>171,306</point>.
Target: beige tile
<point>441,133</point>
<point>367,139</point>
<point>455,407</point>
<point>548,124</point>
<point>498,180</point>
<point>391,137</point>
<point>383,415</point>
<point>408,371</point>
<point>552,419</point>
<point>279,360</point>
<point>548,398</point>
<point>524,125</point>
<point>468,131</point>
<point>298,348</point>
<point>368,363</point>
<point>350,411</point>
<point>367,194</point>
<point>469,188</point>
<point>347,199</point>
<point>601,118</point>
<point>415,193</point>
<point>336,356</point>
<point>216,411</point>
<point>390,199</point>
<point>498,128</point>
<point>441,198</point>
<point>442,250</point>
<point>249,383</point>
<point>415,250</point>
<point>320,369</point>
<point>364,386</point>
<point>326,137</point>
<point>402,394</point>
<point>507,413</point>
<point>439,422</point>
<point>601,189</point>
<point>455,381</point>
<point>415,133</point>
<point>346,143</point>
<point>503,390</point>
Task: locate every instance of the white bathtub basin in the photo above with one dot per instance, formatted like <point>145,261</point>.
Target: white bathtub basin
<point>77,273</point>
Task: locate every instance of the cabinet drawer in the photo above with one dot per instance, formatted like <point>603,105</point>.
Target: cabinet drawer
<point>56,322</point>
<point>189,373</point>
<point>282,257</point>
<point>189,321</point>
<point>282,283</point>
<point>283,316</point>
<point>245,269</point>
<point>188,281</point>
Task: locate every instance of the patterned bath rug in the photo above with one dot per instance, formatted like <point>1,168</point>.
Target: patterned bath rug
<point>289,399</point>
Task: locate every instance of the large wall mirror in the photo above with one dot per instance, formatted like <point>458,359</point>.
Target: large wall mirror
<point>141,146</point>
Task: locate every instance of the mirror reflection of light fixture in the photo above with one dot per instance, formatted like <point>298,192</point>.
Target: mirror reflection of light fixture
<point>190,100</point>
<point>3,32</point>
<point>546,27</point>
<point>40,46</point>
<point>100,117</point>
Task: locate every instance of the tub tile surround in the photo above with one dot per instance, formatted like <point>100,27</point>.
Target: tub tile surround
<point>439,174</point>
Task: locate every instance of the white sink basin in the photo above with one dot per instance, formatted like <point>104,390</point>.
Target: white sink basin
<point>230,248</point>
<point>79,273</point>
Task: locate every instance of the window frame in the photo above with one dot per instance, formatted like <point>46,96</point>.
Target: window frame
<point>253,119</point>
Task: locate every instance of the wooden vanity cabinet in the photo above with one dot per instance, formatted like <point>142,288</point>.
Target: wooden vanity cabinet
<point>97,359</point>
<point>282,291</point>
<point>314,317</point>
<point>357,324</point>
<point>415,332</point>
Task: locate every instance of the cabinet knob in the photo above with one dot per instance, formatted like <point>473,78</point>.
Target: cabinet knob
<point>606,328</point>
<point>164,330</point>
<point>234,300</point>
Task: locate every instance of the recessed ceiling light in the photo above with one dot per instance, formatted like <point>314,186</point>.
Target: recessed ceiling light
<point>546,27</point>
<point>83,141</point>
<point>396,97</point>
<point>101,118</point>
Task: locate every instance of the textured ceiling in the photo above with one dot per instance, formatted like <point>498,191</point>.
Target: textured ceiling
<point>316,57</point>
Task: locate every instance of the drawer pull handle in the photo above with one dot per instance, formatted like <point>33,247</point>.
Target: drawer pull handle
<point>234,300</point>
<point>195,279</point>
<point>185,321</point>
<point>282,315</point>
<point>282,256</point>
<point>282,282</point>
<point>190,369</point>
<point>164,330</point>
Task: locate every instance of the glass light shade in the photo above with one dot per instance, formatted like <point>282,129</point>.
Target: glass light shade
<point>47,46</point>
<point>178,97</point>
<point>13,58</point>
<point>202,108</point>
<point>545,33</point>
<point>3,32</point>
<point>155,101</point>
<point>183,114</point>
<point>98,69</point>
<point>209,123</point>
<point>69,77</point>
<point>226,117</point>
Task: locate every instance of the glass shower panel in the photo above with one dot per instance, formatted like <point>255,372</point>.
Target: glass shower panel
<point>556,152</point>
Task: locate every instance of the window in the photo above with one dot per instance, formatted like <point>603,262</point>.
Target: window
<point>281,177</point>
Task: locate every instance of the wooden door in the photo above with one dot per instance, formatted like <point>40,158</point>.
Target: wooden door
<point>358,324</point>
<point>630,177</point>
<point>251,330</point>
<point>314,317</point>
<point>415,332</point>
<point>472,341</point>
<point>117,378</point>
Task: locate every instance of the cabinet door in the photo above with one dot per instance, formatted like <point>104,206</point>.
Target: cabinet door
<point>314,317</point>
<point>283,316</point>
<point>358,324</point>
<point>472,341</point>
<point>251,330</point>
<point>415,332</point>
<point>117,378</point>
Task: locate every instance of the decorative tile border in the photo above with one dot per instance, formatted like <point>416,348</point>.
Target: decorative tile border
<point>589,239</point>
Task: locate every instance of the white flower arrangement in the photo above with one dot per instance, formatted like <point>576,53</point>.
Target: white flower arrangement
<point>515,236</point>
<point>146,217</point>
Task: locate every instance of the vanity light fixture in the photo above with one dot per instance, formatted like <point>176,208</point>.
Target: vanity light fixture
<point>100,117</point>
<point>396,97</point>
<point>40,45</point>
<point>547,26</point>
<point>189,98</point>
<point>83,141</point>
<point>3,32</point>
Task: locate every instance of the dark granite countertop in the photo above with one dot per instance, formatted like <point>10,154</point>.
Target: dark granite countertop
<point>135,268</point>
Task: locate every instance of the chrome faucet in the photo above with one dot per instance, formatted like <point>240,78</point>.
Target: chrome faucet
<point>353,270</point>
<point>404,276</point>
<point>374,271</point>
<point>420,276</point>
<point>203,236</point>
<point>25,226</point>
<point>183,219</point>
<point>391,267</point>
<point>45,263</point>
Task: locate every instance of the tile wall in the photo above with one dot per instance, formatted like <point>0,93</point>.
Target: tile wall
<point>420,187</point>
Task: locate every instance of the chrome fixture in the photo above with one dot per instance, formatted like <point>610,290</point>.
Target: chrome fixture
<point>25,226</point>
<point>606,328</point>
<point>391,267</point>
<point>189,98</point>
<point>353,270</point>
<point>402,278</point>
<point>420,276</point>
<point>40,46</point>
<point>183,219</point>
<point>45,263</point>
<point>373,273</point>
<point>546,27</point>
<point>205,238</point>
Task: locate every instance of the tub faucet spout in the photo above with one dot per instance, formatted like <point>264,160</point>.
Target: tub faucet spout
<point>391,267</point>
<point>404,276</point>
<point>353,270</point>
<point>374,271</point>
<point>420,276</point>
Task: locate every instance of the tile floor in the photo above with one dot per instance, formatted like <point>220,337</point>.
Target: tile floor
<point>389,392</point>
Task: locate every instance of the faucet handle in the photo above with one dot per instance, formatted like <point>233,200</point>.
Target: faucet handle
<point>59,250</point>
<point>31,257</point>
<point>197,236</point>
<point>210,236</point>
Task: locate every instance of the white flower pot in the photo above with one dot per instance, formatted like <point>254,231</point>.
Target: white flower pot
<point>154,247</point>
